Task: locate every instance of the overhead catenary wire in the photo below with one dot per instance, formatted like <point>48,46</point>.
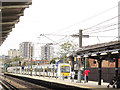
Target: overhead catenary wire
<point>100,23</point>
<point>104,36</point>
<point>103,27</point>
<point>102,31</point>
<point>49,38</point>
<point>67,38</point>
<point>55,42</point>
<point>56,34</point>
<point>98,14</point>
<point>76,34</point>
<point>99,30</point>
<point>114,38</point>
<point>61,40</point>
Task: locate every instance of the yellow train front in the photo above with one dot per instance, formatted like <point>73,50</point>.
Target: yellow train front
<point>64,69</point>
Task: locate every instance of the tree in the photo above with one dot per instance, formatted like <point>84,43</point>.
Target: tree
<point>17,58</point>
<point>53,60</point>
<point>67,48</point>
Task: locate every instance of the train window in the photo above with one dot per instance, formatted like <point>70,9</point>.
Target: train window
<point>62,69</point>
<point>65,69</point>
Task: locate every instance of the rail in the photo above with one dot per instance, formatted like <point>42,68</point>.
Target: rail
<point>7,86</point>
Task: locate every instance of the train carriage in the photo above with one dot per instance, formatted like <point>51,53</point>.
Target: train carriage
<point>53,70</point>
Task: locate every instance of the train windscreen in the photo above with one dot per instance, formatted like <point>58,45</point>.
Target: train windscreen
<point>65,69</point>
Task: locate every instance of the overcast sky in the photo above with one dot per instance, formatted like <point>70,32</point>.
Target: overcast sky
<point>63,17</point>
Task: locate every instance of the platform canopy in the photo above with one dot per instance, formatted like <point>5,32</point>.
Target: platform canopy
<point>10,12</point>
<point>111,49</point>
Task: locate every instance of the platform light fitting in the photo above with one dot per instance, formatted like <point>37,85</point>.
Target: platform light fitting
<point>103,53</point>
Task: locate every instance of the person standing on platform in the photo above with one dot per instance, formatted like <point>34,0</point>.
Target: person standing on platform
<point>86,73</point>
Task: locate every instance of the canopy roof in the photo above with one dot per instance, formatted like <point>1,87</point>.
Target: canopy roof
<point>10,12</point>
<point>110,49</point>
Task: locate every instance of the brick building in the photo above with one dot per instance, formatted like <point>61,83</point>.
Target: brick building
<point>105,63</point>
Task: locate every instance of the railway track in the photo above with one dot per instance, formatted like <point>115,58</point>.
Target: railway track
<point>12,83</point>
<point>39,84</point>
<point>7,86</point>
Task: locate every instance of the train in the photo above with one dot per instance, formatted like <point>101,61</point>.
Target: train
<point>53,70</point>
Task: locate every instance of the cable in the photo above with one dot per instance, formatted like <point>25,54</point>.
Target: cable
<point>101,23</point>
<point>102,28</point>
<point>114,38</point>
<point>67,38</point>
<point>56,34</point>
<point>55,42</point>
<point>103,36</point>
<point>115,23</point>
<point>98,28</point>
<point>103,31</point>
<point>98,39</point>
<point>86,19</point>
<point>64,40</point>
<point>71,35</point>
<point>49,38</point>
<point>61,41</point>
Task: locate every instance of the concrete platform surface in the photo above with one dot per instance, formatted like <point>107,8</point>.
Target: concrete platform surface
<point>90,85</point>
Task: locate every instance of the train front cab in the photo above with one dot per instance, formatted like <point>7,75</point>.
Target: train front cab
<point>64,69</point>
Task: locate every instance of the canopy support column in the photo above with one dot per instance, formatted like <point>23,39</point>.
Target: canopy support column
<point>116,66</point>
<point>99,71</point>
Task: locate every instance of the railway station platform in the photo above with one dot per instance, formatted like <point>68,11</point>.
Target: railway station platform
<point>68,82</point>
